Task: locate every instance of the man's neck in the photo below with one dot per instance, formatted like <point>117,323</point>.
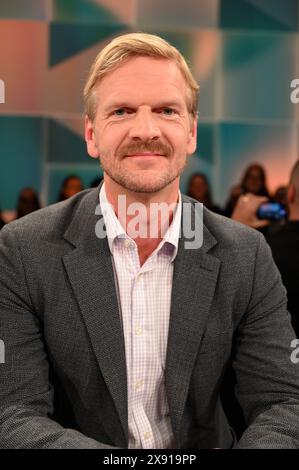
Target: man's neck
<point>151,227</point>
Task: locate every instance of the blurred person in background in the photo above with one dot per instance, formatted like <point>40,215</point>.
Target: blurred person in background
<point>200,190</point>
<point>284,241</point>
<point>285,248</point>
<point>281,196</point>
<point>71,185</point>
<point>253,182</point>
<point>27,202</point>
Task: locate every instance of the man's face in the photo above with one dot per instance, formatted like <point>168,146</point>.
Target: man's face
<point>142,131</point>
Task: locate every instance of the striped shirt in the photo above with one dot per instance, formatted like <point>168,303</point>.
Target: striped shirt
<point>144,295</point>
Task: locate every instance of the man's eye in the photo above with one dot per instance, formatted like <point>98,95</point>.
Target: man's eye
<point>122,111</point>
<point>168,111</point>
<point>119,111</point>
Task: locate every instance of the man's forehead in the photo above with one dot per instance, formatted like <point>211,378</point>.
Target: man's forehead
<point>143,68</point>
<point>140,75</point>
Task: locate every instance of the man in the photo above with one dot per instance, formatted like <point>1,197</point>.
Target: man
<point>285,248</point>
<point>133,334</point>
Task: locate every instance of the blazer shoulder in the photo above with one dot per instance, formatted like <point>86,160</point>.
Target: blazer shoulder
<point>226,231</point>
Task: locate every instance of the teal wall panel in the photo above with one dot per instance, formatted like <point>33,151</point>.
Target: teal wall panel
<point>206,142</point>
<point>64,146</point>
<point>82,11</point>
<point>256,74</point>
<point>271,15</point>
<point>67,39</point>
<point>21,157</point>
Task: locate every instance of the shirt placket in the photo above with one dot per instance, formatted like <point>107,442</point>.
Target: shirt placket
<point>140,328</point>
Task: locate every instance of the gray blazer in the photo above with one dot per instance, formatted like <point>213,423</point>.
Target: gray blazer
<point>63,383</point>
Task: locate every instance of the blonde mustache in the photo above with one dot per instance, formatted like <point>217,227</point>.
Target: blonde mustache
<point>143,147</point>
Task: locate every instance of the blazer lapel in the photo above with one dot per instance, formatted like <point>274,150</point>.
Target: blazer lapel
<point>194,281</point>
<point>90,272</point>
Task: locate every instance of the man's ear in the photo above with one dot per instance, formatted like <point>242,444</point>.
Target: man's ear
<point>291,194</point>
<point>191,146</point>
<point>91,144</point>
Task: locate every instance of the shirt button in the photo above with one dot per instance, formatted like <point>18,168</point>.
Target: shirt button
<point>147,435</point>
<point>139,385</point>
<point>127,243</point>
<point>139,331</point>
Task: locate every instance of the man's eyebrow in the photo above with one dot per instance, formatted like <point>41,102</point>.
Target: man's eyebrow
<point>159,104</point>
<point>118,104</point>
<point>169,104</point>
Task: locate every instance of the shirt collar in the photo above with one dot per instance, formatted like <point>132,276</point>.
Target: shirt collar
<point>115,230</point>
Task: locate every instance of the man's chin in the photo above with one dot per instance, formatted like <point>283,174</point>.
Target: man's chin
<point>144,182</point>
<point>146,185</point>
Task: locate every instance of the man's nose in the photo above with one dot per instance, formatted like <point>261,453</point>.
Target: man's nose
<point>144,126</point>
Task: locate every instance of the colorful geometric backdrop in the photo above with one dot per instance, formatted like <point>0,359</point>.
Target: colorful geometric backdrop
<point>244,54</point>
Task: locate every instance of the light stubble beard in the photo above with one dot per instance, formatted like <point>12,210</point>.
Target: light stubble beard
<point>154,181</point>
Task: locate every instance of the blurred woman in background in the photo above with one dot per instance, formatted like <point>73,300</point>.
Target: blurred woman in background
<point>253,181</point>
<point>200,190</point>
<point>71,185</point>
<point>27,202</point>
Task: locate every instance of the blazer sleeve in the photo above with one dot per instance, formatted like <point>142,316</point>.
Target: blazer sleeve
<point>267,379</point>
<point>26,398</point>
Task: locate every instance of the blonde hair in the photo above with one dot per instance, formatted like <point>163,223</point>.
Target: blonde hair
<point>132,45</point>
